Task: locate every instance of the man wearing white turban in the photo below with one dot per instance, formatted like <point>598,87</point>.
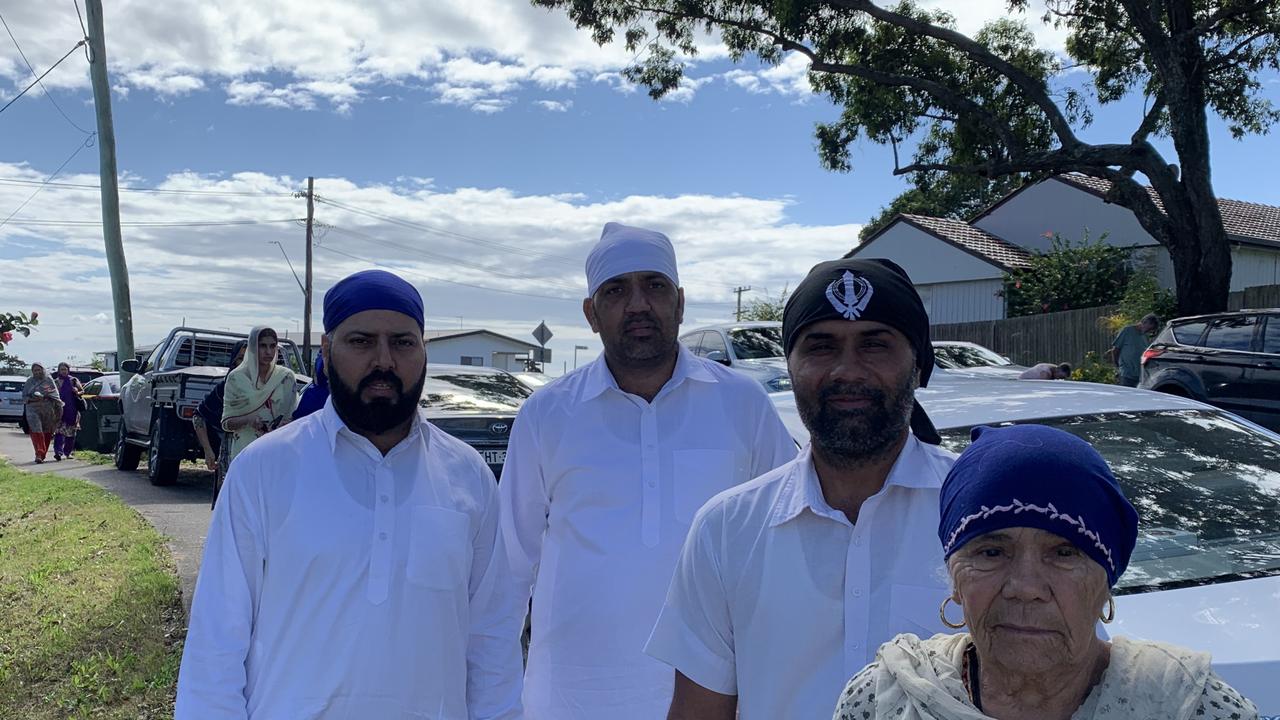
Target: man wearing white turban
<point>605,471</point>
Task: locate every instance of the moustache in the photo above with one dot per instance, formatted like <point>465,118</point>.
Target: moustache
<point>851,390</point>
<point>644,318</point>
<point>384,376</point>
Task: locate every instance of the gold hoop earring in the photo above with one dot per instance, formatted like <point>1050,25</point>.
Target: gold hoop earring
<point>1111,611</point>
<point>942,613</point>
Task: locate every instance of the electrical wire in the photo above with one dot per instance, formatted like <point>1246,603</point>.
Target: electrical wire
<point>46,72</point>
<point>42,87</point>
<point>151,223</point>
<point>86,186</point>
<point>447,233</point>
<point>87,142</point>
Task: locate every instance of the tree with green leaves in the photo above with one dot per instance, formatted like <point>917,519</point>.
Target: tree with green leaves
<point>943,195</point>
<point>767,309</point>
<point>20,323</point>
<point>995,105</point>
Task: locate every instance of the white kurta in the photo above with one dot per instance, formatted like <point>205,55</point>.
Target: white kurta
<point>779,599</point>
<point>597,493</point>
<point>338,583</point>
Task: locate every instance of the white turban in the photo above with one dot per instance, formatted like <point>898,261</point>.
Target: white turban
<point>623,249</point>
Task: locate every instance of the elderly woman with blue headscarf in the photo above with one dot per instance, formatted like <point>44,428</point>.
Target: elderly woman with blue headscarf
<point>1036,532</point>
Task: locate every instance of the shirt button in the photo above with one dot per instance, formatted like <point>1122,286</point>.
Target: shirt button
<point>382,536</point>
<point>857,593</point>
<point>384,498</point>
<point>857,541</point>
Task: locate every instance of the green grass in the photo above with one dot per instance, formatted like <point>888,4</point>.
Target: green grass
<point>94,457</point>
<point>91,622</point>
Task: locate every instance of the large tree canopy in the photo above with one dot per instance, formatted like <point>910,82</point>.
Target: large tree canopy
<point>996,106</point>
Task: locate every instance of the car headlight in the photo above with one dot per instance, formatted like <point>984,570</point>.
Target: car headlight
<point>781,383</point>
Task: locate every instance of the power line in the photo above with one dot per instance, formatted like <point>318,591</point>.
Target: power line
<point>46,72</point>
<point>86,186</point>
<point>447,233</point>
<point>88,141</point>
<point>42,87</point>
<point>452,282</point>
<point>149,223</point>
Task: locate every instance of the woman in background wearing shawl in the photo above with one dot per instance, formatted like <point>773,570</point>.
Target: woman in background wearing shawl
<point>69,389</point>
<point>260,395</point>
<point>315,395</point>
<point>208,423</point>
<point>43,408</point>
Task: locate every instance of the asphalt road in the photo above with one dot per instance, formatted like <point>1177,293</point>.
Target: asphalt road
<point>180,512</point>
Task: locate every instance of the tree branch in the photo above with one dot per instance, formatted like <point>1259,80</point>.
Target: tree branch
<point>1150,121</point>
<point>1227,13</point>
<point>1233,54</point>
<point>1033,89</point>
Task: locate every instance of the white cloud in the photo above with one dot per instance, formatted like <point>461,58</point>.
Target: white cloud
<point>555,105</point>
<point>493,241</point>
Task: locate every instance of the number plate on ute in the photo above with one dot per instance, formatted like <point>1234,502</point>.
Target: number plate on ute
<point>494,457</point>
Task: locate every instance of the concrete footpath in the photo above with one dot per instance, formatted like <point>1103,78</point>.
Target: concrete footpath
<point>180,512</point>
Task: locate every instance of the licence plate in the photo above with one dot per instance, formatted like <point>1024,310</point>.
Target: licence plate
<point>15,402</point>
<point>494,457</point>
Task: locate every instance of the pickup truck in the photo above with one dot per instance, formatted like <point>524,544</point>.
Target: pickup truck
<point>160,399</point>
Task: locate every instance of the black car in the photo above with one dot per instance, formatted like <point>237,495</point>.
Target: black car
<point>477,405</point>
<point>1231,360</point>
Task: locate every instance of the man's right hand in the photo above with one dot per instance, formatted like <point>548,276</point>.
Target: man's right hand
<point>211,462</point>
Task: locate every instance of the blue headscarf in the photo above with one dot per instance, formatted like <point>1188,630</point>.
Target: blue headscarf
<point>371,290</point>
<point>1038,477</point>
<point>315,394</point>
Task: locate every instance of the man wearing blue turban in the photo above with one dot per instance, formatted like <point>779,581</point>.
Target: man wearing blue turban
<point>352,567</point>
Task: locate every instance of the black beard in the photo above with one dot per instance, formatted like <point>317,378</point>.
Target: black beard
<point>853,437</point>
<point>639,353</point>
<point>381,414</point>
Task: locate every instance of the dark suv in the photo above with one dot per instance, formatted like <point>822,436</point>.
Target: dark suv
<point>1231,360</point>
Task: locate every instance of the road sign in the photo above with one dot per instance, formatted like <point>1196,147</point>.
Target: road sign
<point>542,333</point>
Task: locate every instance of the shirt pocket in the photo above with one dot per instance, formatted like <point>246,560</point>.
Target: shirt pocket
<point>697,476</point>
<point>915,609</point>
<point>439,548</point>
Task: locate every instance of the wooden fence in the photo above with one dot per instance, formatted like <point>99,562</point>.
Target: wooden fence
<point>1067,336</point>
<point>1052,337</point>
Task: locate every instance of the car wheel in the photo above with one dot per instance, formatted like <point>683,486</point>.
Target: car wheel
<point>127,456</point>
<point>1173,390</point>
<point>161,470</point>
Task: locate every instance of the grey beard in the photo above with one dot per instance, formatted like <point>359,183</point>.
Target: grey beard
<point>852,439</point>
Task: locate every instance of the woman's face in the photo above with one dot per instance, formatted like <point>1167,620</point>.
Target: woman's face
<point>37,371</point>
<point>1031,599</point>
<point>63,369</point>
<point>267,347</point>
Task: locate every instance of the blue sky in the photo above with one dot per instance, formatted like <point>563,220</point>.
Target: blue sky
<point>497,124</point>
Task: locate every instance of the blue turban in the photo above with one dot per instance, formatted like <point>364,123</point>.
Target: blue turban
<point>371,290</point>
<point>1038,477</point>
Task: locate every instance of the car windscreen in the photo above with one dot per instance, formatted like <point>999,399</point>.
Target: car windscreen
<point>757,343</point>
<point>1206,487</point>
<point>10,386</point>
<point>966,356</point>
<point>482,392</point>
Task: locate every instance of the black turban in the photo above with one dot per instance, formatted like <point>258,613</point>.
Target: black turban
<point>875,290</point>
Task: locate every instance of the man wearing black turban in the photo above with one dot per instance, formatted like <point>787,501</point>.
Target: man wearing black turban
<point>790,581</point>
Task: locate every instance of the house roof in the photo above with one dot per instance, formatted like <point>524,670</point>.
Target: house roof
<point>975,241</point>
<point>1241,219</point>
<point>452,334</point>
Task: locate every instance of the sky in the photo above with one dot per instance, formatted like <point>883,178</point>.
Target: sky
<point>476,147</point>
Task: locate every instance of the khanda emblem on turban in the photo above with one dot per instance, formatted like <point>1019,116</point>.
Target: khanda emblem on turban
<point>849,295</point>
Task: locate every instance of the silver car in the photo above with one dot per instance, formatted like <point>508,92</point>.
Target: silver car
<point>11,398</point>
<point>751,348</point>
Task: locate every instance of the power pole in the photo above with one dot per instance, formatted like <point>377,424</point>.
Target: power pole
<point>306,293</point>
<point>110,189</point>
<point>739,290</point>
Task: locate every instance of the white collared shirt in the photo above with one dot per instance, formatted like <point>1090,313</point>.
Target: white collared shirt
<point>339,583</point>
<point>597,494</point>
<point>779,599</point>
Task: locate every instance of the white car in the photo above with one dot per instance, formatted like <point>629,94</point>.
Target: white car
<point>11,406</point>
<point>967,357</point>
<point>1206,570</point>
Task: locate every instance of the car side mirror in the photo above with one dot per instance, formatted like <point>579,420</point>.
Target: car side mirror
<point>130,366</point>
<point>718,356</point>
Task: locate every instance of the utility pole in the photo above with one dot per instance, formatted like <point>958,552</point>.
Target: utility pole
<point>110,189</point>
<point>306,293</point>
<point>739,290</point>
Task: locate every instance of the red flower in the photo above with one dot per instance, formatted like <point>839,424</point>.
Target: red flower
<point>6,337</point>
<point>34,314</point>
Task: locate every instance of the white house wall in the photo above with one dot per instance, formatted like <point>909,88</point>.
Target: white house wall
<point>927,259</point>
<point>1053,206</point>
<point>492,349</point>
<point>962,301</point>
<point>1251,267</point>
